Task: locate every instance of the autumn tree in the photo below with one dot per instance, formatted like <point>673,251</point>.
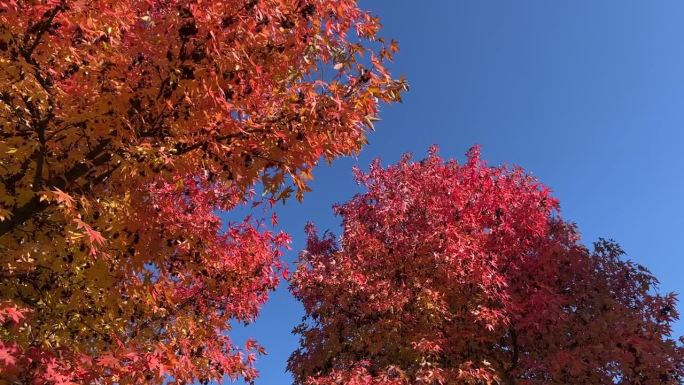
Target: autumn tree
<point>127,125</point>
<point>451,273</point>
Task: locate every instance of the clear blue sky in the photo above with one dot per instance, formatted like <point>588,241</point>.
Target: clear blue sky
<point>588,95</point>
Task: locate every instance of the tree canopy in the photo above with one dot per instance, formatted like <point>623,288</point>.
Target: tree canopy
<point>126,127</point>
<point>449,273</point>
<point>129,126</point>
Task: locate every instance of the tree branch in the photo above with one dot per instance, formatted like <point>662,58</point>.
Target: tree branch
<point>97,156</point>
<point>45,25</point>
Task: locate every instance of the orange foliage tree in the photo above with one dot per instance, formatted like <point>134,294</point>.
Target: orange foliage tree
<point>452,273</point>
<point>126,126</point>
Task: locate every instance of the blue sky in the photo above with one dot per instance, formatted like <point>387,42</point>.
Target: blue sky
<point>588,95</point>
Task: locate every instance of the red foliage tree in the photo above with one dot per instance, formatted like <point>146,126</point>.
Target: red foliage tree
<point>127,125</point>
<point>465,274</point>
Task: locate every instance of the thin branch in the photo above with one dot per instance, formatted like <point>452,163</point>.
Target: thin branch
<point>97,157</point>
<point>43,28</point>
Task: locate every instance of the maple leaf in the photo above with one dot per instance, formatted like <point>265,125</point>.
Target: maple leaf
<point>63,198</point>
<point>109,361</point>
<point>7,355</point>
<point>13,313</point>
<point>156,366</point>
<point>94,236</point>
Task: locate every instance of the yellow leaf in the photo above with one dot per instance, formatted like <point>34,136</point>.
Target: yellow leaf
<point>5,214</point>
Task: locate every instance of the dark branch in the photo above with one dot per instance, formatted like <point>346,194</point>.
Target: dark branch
<point>96,157</point>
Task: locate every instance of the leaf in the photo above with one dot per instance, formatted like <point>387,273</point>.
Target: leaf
<point>13,313</point>
<point>5,214</point>
<point>63,198</point>
<point>109,361</point>
<point>7,355</point>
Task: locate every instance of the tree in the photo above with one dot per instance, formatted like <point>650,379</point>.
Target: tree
<point>127,126</point>
<point>452,273</point>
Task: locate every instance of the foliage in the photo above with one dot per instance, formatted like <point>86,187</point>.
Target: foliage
<point>452,273</point>
<point>126,126</point>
